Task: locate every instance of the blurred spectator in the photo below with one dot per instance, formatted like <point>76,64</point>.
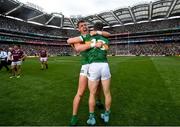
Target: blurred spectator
<point>146,26</point>
<point>3,59</point>
<point>153,49</point>
<point>32,50</point>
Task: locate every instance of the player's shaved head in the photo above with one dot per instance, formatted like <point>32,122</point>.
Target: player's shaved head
<point>98,26</point>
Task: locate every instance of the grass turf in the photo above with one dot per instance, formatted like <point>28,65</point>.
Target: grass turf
<point>145,91</point>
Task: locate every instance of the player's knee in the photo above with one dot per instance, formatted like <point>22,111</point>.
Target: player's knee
<point>107,93</point>
<point>80,94</point>
<point>92,94</point>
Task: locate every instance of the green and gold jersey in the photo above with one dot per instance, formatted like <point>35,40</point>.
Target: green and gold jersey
<point>98,54</point>
<point>84,54</point>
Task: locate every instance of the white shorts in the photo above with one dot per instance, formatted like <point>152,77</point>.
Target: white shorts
<point>99,71</point>
<point>16,63</point>
<point>84,70</point>
<point>43,59</point>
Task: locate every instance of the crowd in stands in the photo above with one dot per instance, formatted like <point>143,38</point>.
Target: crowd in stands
<point>147,39</point>
<point>153,49</point>
<point>21,26</point>
<point>146,26</point>
<point>33,50</point>
<point>133,48</point>
<point>33,40</point>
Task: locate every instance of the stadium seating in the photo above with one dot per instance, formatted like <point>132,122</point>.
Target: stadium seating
<point>145,29</point>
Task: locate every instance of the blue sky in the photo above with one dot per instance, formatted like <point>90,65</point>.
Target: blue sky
<point>83,7</point>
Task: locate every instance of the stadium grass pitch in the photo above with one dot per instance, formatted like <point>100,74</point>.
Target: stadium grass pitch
<point>145,91</point>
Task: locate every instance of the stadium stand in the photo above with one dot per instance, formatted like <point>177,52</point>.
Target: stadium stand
<point>152,49</point>
<point>144,29</point>
<point>146,26</point>
<point>33,50</point>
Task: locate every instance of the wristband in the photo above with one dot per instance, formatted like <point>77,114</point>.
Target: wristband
<point>99,32</point>
<point>92,45</point>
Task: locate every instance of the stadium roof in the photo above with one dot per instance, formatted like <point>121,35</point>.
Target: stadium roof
<point>162,9</point>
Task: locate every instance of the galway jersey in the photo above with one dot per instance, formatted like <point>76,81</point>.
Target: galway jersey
<point>17,55</point>
<point>43,53</point>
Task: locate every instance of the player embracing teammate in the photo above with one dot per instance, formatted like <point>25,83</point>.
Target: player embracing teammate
<point>97,70</point>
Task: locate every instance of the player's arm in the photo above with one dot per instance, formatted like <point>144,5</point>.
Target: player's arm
<point>11,55</point>
<point>103,33</point>
<point>102,43</point>
<point>82,47</point>
<point>77,44</point>
<point>74,40</point>
<point>88,45</point>
<point>105,47</point>
<point>47,54</point>
<point>106,34</point>
<point>23,56</point>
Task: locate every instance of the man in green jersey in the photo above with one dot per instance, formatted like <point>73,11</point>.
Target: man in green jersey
<point>99,71</point>
<point>82,44</point>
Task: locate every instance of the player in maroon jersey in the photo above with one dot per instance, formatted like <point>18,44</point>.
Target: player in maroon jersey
<point>17,56</point>
<point>43,56</point>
